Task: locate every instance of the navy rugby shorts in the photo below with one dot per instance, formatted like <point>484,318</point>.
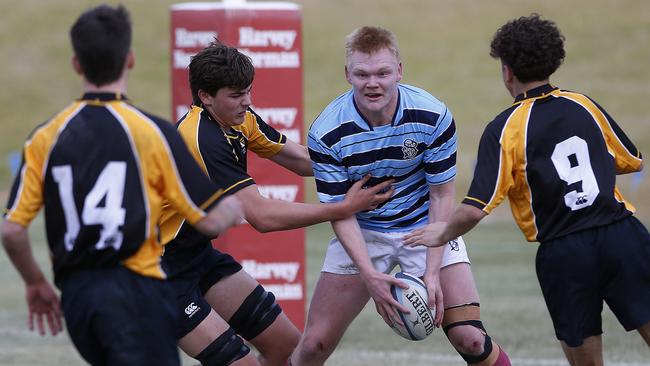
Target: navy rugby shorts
<point>117,317</point>
<point>579,271</point>
<point>191,284</point>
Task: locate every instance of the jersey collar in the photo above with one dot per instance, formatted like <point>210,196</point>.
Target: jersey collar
<point>539,91</point>
<point>368,126</point>
<point>103,96</point>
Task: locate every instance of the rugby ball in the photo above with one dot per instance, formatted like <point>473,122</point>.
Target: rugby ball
<point>418,323</point>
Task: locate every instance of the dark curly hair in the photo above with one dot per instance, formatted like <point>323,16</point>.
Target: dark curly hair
<point>531,46</point>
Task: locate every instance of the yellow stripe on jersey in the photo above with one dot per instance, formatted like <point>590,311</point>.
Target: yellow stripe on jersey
<point>625,161</point>
<point>512,171</point>
<point>160,179</point>
<point>476,200</point>
<point>29,198</point>
<point>171,220</point>
<point>258,142</point>
<point>189,130</point>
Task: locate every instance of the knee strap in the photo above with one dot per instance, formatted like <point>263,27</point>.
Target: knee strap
<point>224,350</point>
<point>258,311</point>
<point>469,314</point>
<point>454,315</point>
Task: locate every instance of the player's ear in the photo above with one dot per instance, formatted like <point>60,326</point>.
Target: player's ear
<point>76,65</point>
<point>347,74</point>
<point>508,75</point>
<point>204,96</point>
<point>130,59</point>
<point>509,79</point>
<point>399,71</point>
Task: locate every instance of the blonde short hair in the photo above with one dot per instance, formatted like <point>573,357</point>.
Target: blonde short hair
<point>371,39</point>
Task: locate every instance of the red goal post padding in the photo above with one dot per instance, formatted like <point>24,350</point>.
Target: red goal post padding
<point>271,34</point>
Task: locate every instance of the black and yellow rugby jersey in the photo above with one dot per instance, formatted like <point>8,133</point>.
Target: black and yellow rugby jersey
<point>222,156</point>
<point>555,154</point>
<point>102,169</point>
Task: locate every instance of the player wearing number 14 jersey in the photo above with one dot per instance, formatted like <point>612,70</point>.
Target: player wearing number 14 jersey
<point>555,154</point>
<point>102,169</point>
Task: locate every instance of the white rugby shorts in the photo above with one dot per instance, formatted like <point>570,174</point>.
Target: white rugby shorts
<point>386,250</point>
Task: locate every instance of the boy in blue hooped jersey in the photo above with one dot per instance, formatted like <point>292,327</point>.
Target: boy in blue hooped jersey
<point>389,131</point>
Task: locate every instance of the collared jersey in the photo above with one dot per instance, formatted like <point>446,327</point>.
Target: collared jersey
<point>102,168</point>
<point>221,154</point>
<point>417,149</point>
<point>555,155</point>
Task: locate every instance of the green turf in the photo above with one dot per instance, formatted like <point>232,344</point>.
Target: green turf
<point>444,45</point>
<point>503,265</point>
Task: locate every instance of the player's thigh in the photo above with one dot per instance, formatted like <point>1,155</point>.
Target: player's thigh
<point>279,338</point>
<point>209,329</point>
<point>625,271</point>
<point>458,286</point>
<point>569,270</point>
<point>228,294</point>
<point>337,300</point>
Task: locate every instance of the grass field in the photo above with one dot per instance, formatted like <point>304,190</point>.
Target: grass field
<point>444,46</point>
<point>512,308</point>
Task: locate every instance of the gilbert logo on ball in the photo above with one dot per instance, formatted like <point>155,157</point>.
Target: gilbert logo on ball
<point>418,323</point>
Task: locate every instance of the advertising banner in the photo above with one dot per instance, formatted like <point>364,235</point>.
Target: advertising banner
<point>270,33</point>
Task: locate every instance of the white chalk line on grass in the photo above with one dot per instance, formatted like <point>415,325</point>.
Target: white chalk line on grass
<point>439,357</point>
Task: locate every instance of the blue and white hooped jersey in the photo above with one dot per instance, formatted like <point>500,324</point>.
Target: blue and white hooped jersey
<point>417,149</point>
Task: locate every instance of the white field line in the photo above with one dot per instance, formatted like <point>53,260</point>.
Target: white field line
<point>439,357</point>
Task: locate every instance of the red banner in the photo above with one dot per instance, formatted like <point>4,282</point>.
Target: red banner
<point>270,33</point>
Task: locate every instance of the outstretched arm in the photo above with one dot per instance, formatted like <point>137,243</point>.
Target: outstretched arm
<point>270,215</point>
<point>438,234</point>
<point>294,157</point>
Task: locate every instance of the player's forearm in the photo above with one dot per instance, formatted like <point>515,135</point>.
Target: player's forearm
<point>463,220</point>
<point>441,202</point>
<point>434,259</point>
<point>349,234</point>
<point>227,213</point>
<point>441,206</point>
<point>274,215</point>
<point>16,243</point>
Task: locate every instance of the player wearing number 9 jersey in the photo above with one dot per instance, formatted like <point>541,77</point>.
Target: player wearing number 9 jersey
<point>555,154</point>
<point>102,169</point>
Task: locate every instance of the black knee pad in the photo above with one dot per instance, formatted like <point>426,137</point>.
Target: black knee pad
<point>255,314</point>
<point>487,351</point>
<point>468,314</point>
<point>224,350</point>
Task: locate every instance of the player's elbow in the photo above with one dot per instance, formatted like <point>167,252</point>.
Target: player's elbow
<point>261,223</point>
<point>471,213</point>
<point>264,229</point>
<point>306,170</point>
<point>11,233</point>
<point>209,226</point>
